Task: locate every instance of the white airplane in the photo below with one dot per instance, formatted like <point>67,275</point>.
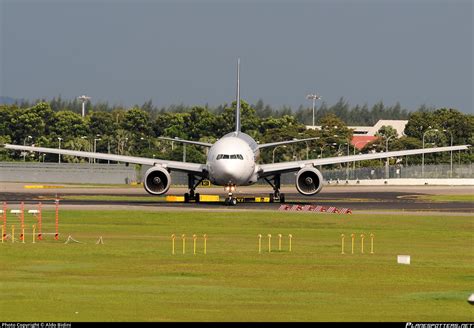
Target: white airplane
<point>232,162</point>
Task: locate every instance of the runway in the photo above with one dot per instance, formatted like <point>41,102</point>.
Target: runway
<point>357,198</point>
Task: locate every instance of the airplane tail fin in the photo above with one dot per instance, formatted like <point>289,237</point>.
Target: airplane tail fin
<point>237,110</point>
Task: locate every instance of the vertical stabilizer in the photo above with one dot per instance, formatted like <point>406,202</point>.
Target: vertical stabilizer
<point>237,110</point>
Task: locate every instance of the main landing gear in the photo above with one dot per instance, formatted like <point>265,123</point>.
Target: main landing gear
<point>275,183</point>
<point>192,184</point>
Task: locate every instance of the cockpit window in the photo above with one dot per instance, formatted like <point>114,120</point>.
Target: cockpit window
<point>233,156</point>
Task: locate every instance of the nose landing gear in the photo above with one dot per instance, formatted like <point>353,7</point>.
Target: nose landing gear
<point>230,200</point>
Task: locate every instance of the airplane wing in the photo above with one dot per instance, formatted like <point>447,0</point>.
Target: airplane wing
<point>199,143</point>
<point>196,168</point>
<point>270,169</point>
<point>271,144</point>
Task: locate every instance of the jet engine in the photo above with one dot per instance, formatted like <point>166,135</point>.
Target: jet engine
<point>309,181</point>
<point>157,180</point>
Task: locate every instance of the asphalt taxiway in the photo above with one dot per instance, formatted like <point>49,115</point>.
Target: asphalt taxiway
<point>357,198</point>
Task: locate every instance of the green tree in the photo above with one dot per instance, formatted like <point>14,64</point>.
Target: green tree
<point>170,125</point>
<point>123,141</point>
<point>4,153</point>
<point>418,123</point>
<point>386,131</point>
<point>27,123</point>
<point>248,119</point>
<point>67,124</point>
<point>6,115</point>
<point>77,143</point>
<point>199,123</point>
<point>333,129</point>
<point>101,123</point>
<point>137,122</point>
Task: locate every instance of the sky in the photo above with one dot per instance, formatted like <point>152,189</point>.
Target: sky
<point>185,52</point>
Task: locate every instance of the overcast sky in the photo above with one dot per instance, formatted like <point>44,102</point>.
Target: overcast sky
<point>127,52</point>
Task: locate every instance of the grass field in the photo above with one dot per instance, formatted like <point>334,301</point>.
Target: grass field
<point>134,276</point>
<point>448,198</point>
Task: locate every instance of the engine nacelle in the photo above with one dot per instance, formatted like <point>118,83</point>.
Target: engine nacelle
<point>309,181</point>
<point>157,180</point>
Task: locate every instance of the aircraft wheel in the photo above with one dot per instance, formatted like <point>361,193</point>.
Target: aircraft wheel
<point>272,198</point>
<point>282,198</point>
<point>186,198</point>
<point>230,201</point>
<point>196,197</point>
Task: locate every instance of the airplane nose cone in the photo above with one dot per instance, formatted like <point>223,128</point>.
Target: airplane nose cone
<point>232,172</point>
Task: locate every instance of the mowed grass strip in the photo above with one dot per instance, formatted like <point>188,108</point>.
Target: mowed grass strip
<point>448,198</point>
<point>134,276</point>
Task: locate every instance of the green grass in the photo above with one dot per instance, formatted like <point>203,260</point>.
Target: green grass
<point>134,276</point>
<point>448,198</point>
<point>115,198</point>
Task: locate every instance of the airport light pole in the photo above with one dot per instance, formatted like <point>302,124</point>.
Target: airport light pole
<point>184,148</point>
<point>148,139</point>
<point>355,147</point>
<point>95,145</point>
<point>387,163</point>
<point>329,144</point>
<point>307,146</point>
<point>423,155</point>
<point>339,154</point>
<point>348,143</point>
<point>84,99</point>
<point>24,144</point>
<point>322,147</point>
<point>354,162</point>
<point>124,144</point>
<point>451,154</point>
<point>273,160</point>
<point>339,148</point>
<point>313,97</point>
<point>89,145</point>
<point>307,150</point>
<point>108,149</point>
<point>59,155</point>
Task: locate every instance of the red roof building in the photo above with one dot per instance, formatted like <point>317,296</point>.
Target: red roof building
<point>359,142</point>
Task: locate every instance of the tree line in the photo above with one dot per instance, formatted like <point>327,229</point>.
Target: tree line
<point>362,115</point>
<point>135,130</point>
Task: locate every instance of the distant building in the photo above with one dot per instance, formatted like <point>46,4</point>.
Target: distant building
<point>359,142</point>
<point>365,134</point>
<point>398,125</point>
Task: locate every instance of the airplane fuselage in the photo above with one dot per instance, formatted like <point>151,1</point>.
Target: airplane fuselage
<point>232,160</point>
